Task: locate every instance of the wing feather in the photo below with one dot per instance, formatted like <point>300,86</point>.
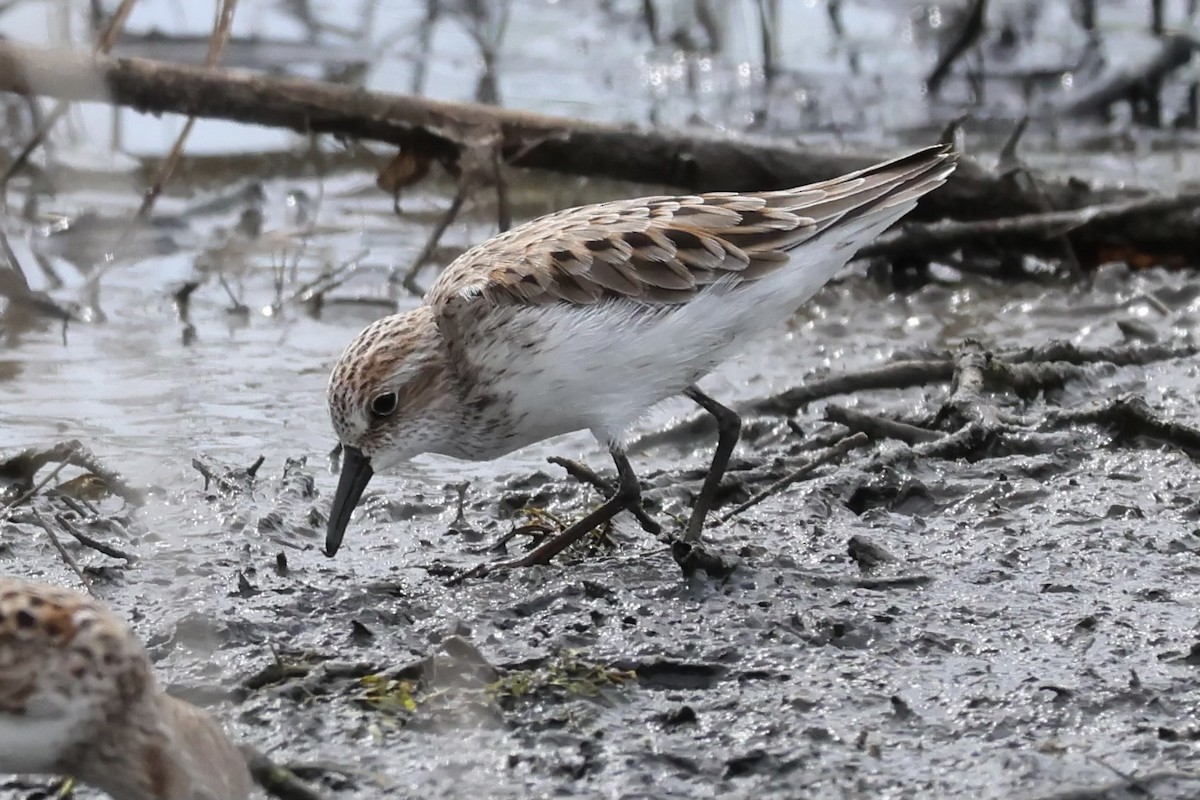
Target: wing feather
<point>664,250</point>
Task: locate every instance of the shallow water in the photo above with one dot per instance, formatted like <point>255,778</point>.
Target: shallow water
<point>1050,650</point>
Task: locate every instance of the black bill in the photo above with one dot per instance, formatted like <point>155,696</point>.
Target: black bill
<point>356,474</point>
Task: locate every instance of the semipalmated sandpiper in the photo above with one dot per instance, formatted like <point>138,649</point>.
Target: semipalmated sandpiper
<point>586,318</point>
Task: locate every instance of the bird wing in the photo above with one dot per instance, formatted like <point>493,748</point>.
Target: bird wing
<point>664,250</point>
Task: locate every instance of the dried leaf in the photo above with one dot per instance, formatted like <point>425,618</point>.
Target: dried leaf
<point>405,169</point>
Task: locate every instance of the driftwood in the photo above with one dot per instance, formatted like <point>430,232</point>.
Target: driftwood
<point>442,131</point>
<point>932,239</point>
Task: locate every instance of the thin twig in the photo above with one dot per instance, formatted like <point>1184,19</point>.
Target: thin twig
<point>970,28</point>
<point>504,216</point>
<point>833,453</point>
<point>97,545</point>
<point>328,280</point>
<point>220,37</point>
<point>879,427</point>
<point>435,236</point>
<point>62,551</point>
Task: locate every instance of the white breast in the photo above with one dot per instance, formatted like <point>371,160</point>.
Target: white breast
<point>33,744</point>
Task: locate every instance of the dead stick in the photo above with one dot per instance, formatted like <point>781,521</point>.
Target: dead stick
<point>1122,356</point>
<point>937,237</point>
<point>585,474</point>
<point>220,37</point>
<point>898,375</point>
<point>970,28</point>
<point>89,541</point>
<point>435,236</point>
<point>441,130</point>
<point>879,427</point>
<point>62,551</point>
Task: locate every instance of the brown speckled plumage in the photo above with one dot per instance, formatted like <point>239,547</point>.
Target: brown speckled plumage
<point>586,318</point>
<point>78,697</point>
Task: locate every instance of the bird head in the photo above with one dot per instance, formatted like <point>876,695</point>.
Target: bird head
<point>390,398</point>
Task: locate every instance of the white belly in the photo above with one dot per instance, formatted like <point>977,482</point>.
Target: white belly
<point>602,368</point>
<point>34,745</point>
<point>563,368</point>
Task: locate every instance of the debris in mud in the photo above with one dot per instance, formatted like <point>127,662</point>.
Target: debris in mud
<point>867,553</point>
<point>948,565</point>
<point>456,681</point>
<point>694,557</point>
<point>74,507</point>
<point>227,480</point>
<point>19,471</point>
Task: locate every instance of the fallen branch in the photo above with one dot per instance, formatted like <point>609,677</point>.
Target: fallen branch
<point>1131,418</point>
<point>908,373</point>
<point>900,375</point>
<point>932,239</point>
<point>921,372</point>
<point>1121,355</point>
<point>441,131</point>
<point>879,427</point>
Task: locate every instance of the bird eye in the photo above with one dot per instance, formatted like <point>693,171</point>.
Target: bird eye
<point>384,404</point>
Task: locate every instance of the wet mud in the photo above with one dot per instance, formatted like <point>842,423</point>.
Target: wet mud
<point>1013,616</point>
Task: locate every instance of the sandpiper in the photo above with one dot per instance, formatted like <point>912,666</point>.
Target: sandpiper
<point>78,697</point>
<point>587,318</point>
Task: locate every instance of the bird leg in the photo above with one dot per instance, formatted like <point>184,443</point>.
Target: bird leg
<point>584,474</point>
<point>729,427</point>
<point>627,496</point>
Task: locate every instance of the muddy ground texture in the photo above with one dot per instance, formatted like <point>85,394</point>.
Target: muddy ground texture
<point>988,590</point>
<point>956,556</point>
